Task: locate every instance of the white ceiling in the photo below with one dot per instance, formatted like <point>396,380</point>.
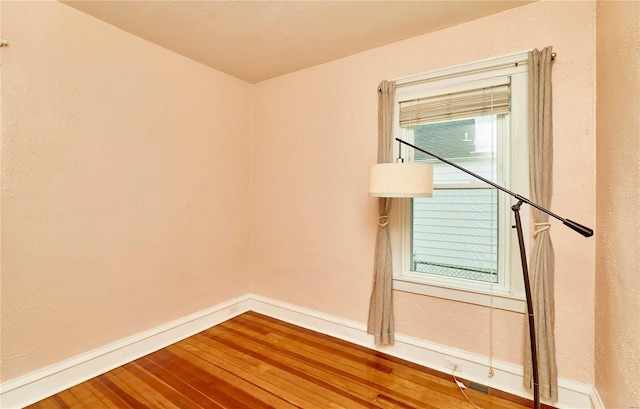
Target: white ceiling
<point>257,40</point>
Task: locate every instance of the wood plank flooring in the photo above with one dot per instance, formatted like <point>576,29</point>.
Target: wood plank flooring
<point>254,362</point>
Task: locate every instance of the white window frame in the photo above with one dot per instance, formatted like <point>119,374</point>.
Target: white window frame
<point>508,294</point>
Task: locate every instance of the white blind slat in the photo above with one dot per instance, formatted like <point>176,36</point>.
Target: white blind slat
<point>488,100</point>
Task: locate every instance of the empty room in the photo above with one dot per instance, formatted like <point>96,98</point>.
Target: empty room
<point>320,204</point>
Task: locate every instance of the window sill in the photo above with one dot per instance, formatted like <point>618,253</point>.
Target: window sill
<point>501,299</point>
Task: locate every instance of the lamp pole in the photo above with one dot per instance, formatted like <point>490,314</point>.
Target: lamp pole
<point>583,230</point>
<point>527,291</point>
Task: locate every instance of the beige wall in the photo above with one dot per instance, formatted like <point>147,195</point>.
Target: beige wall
<point>125,185</point>
<point>313,223</point>
<point>617,319</point>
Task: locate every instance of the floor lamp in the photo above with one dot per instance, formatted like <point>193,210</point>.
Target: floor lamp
<point>416,180</point>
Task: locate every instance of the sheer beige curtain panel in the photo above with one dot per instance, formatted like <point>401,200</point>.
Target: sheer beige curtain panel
<point>380,323</point>
<point>541,261</point>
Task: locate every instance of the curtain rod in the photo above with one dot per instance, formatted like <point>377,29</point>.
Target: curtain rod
<point>512,60</point>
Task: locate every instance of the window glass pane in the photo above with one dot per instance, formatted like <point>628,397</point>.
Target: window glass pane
<point>455,233</point>
<point>470,143</point>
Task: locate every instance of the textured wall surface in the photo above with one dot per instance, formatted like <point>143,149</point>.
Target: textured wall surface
<point>617,307</point>
<point>125,185</point>
<point>315,135</point>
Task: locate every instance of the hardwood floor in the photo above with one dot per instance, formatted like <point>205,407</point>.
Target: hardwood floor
<point>253,362</point>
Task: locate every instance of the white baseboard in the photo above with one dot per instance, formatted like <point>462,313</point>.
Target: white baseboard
<point>38,385</point>
<point>597,401</point>
<point>507,378</point>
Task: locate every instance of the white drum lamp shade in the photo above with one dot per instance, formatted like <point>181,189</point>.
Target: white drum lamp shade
<point>401,180</point>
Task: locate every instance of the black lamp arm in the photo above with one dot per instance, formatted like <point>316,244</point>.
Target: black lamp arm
<point>585,231</point>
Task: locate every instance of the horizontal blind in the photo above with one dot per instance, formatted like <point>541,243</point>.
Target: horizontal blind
<point>487,100</point>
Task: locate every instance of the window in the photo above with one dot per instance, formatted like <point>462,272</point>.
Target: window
<point>460,244</point>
